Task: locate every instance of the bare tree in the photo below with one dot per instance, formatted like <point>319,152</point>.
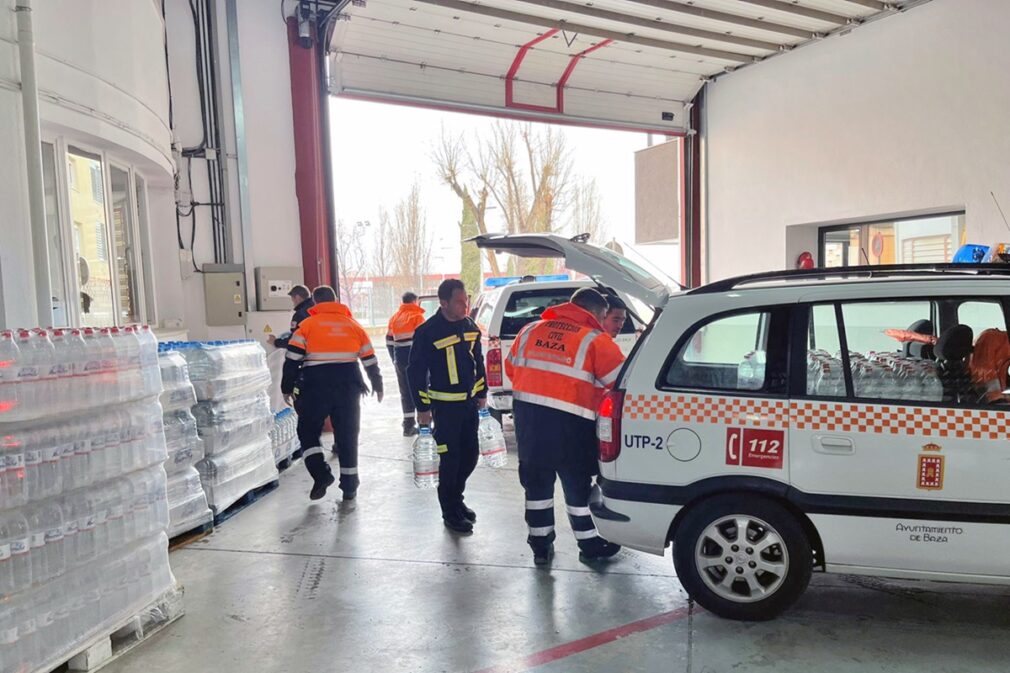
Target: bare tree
<point>452,160</point>
<point>350,259</point>
<point>524,170</point>
<point>584,213</point>
<point>410,240</point>
<point>382,263</point>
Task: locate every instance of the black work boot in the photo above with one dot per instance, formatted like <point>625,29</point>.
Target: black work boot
<point>542,556</point>
<point>349,485</point>
<point>409,428</point>
<point>457,523</point>
<point>468,513</point>
<point>320,484</point>
<point>597,549</point>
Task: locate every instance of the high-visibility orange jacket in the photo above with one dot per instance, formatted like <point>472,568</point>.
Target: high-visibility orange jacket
<point>400,333</point>
<point>327,347</point>
<point>564,361</point>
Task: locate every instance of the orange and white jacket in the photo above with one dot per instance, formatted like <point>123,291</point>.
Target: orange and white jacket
<point>327,347</point>
<point>564,361</point>
<point>400,332</point>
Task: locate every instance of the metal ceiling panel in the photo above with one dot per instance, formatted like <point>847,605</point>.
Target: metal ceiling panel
<point>615,63</point>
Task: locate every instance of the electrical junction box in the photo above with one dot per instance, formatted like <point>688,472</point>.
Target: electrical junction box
<point>224,294</point>
<point>273,284</point>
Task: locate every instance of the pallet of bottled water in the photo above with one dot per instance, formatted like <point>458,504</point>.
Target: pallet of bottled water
<point>220,369</point>
<point>284,435</point>
<point>83,490</point>
<point>187,502</point>
<point>228,476</point>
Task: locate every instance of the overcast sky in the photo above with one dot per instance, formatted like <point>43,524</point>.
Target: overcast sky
<point>381,149</point>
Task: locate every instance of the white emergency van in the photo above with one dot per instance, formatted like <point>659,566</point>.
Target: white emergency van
<point>849,421</point>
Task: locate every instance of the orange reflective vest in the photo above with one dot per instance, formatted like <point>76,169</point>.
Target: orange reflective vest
<point>330,336</point>
<point>400,332</point>
<point>565,361</point>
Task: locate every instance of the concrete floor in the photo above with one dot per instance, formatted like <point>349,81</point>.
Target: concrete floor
<point>379,585</point>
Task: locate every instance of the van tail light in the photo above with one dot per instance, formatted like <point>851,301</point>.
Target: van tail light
<point>608,425</point>
<point>492,367</point>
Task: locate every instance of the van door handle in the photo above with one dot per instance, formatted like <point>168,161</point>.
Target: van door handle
<point>841,446</point>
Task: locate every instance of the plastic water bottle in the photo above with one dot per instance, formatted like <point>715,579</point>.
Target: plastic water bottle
<point>15,545</point>
<point>61,372</point>
<point>425,460</point>
<point>492,441</point>
<point>10,408</point>
<point>28,373</point>
<point>13,487</point>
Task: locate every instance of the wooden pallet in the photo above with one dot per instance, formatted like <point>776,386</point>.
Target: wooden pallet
<point>123,637</point>
<point>244,501</point>
<point>190,536</point>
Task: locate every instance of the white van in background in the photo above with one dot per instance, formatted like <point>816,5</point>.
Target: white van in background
<point>502,312</point>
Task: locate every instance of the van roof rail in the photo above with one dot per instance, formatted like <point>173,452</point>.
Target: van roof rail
<point>856,272</point>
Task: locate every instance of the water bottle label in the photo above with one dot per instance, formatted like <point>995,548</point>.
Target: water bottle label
<point>86,524</point>
<point>19,547</point>
<point>33,458</point>
<point>29,626</point>
<point>101,516</point>
<point>183,455</point>
<point>46,619</point>
<point>15,461</point>
<point>52,454</point>
<point>68,451</point>
<point>28,373</point>
<point>5,552</point>
<point>54,535</point>
<point>58,370</point>
<point>38,540</point>
<point>70,528</point>
<point>92,366</point>
<point>116,512</point>
<point>83,448</point>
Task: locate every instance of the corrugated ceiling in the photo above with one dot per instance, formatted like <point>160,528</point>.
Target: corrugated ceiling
<point>616,63</point>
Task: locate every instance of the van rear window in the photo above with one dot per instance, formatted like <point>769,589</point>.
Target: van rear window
<point>526,306</point>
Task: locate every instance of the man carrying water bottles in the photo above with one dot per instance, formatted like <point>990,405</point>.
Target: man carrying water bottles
<point>446,376</point>
<point>560,367</point>
<point>321,373</point>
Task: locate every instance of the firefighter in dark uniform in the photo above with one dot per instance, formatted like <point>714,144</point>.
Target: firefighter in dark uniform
<point>321,373</point>
<point>446,377</point>
<point>302,300</point>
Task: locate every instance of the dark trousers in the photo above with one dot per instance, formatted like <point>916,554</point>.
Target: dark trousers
<point>406,399</point>
<point>538,481</point>
<point>342,404</point>
<point>456,435</point>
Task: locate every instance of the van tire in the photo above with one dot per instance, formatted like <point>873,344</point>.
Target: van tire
<point>725,585</point>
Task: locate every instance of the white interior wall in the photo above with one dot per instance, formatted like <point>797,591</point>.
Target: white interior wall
<point>273,211</point>
<point>903,116</point>
<point>100,84</point>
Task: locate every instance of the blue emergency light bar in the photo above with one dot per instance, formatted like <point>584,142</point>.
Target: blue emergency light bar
<point>508,280</point>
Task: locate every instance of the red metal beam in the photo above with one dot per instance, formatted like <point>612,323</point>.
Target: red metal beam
<point>571,68</point>
<point>518,61</point>
<point>309,118</point>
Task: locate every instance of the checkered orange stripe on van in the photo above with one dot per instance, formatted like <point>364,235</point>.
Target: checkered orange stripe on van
<point>708,409</point>
<point>901,420</point>
<point>907,421</point>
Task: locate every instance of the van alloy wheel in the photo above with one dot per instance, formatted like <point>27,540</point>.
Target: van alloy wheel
<point>742,558</point>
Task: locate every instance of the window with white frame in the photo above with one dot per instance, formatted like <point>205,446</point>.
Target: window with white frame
<point>95,215</point>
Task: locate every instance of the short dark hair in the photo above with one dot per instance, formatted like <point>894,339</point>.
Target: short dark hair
<point>408,298</point>
<point>590,299</point>
<point>324,293</point>
<point>300,291</point>
<point>615,303</point>
<point>448,286</point>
